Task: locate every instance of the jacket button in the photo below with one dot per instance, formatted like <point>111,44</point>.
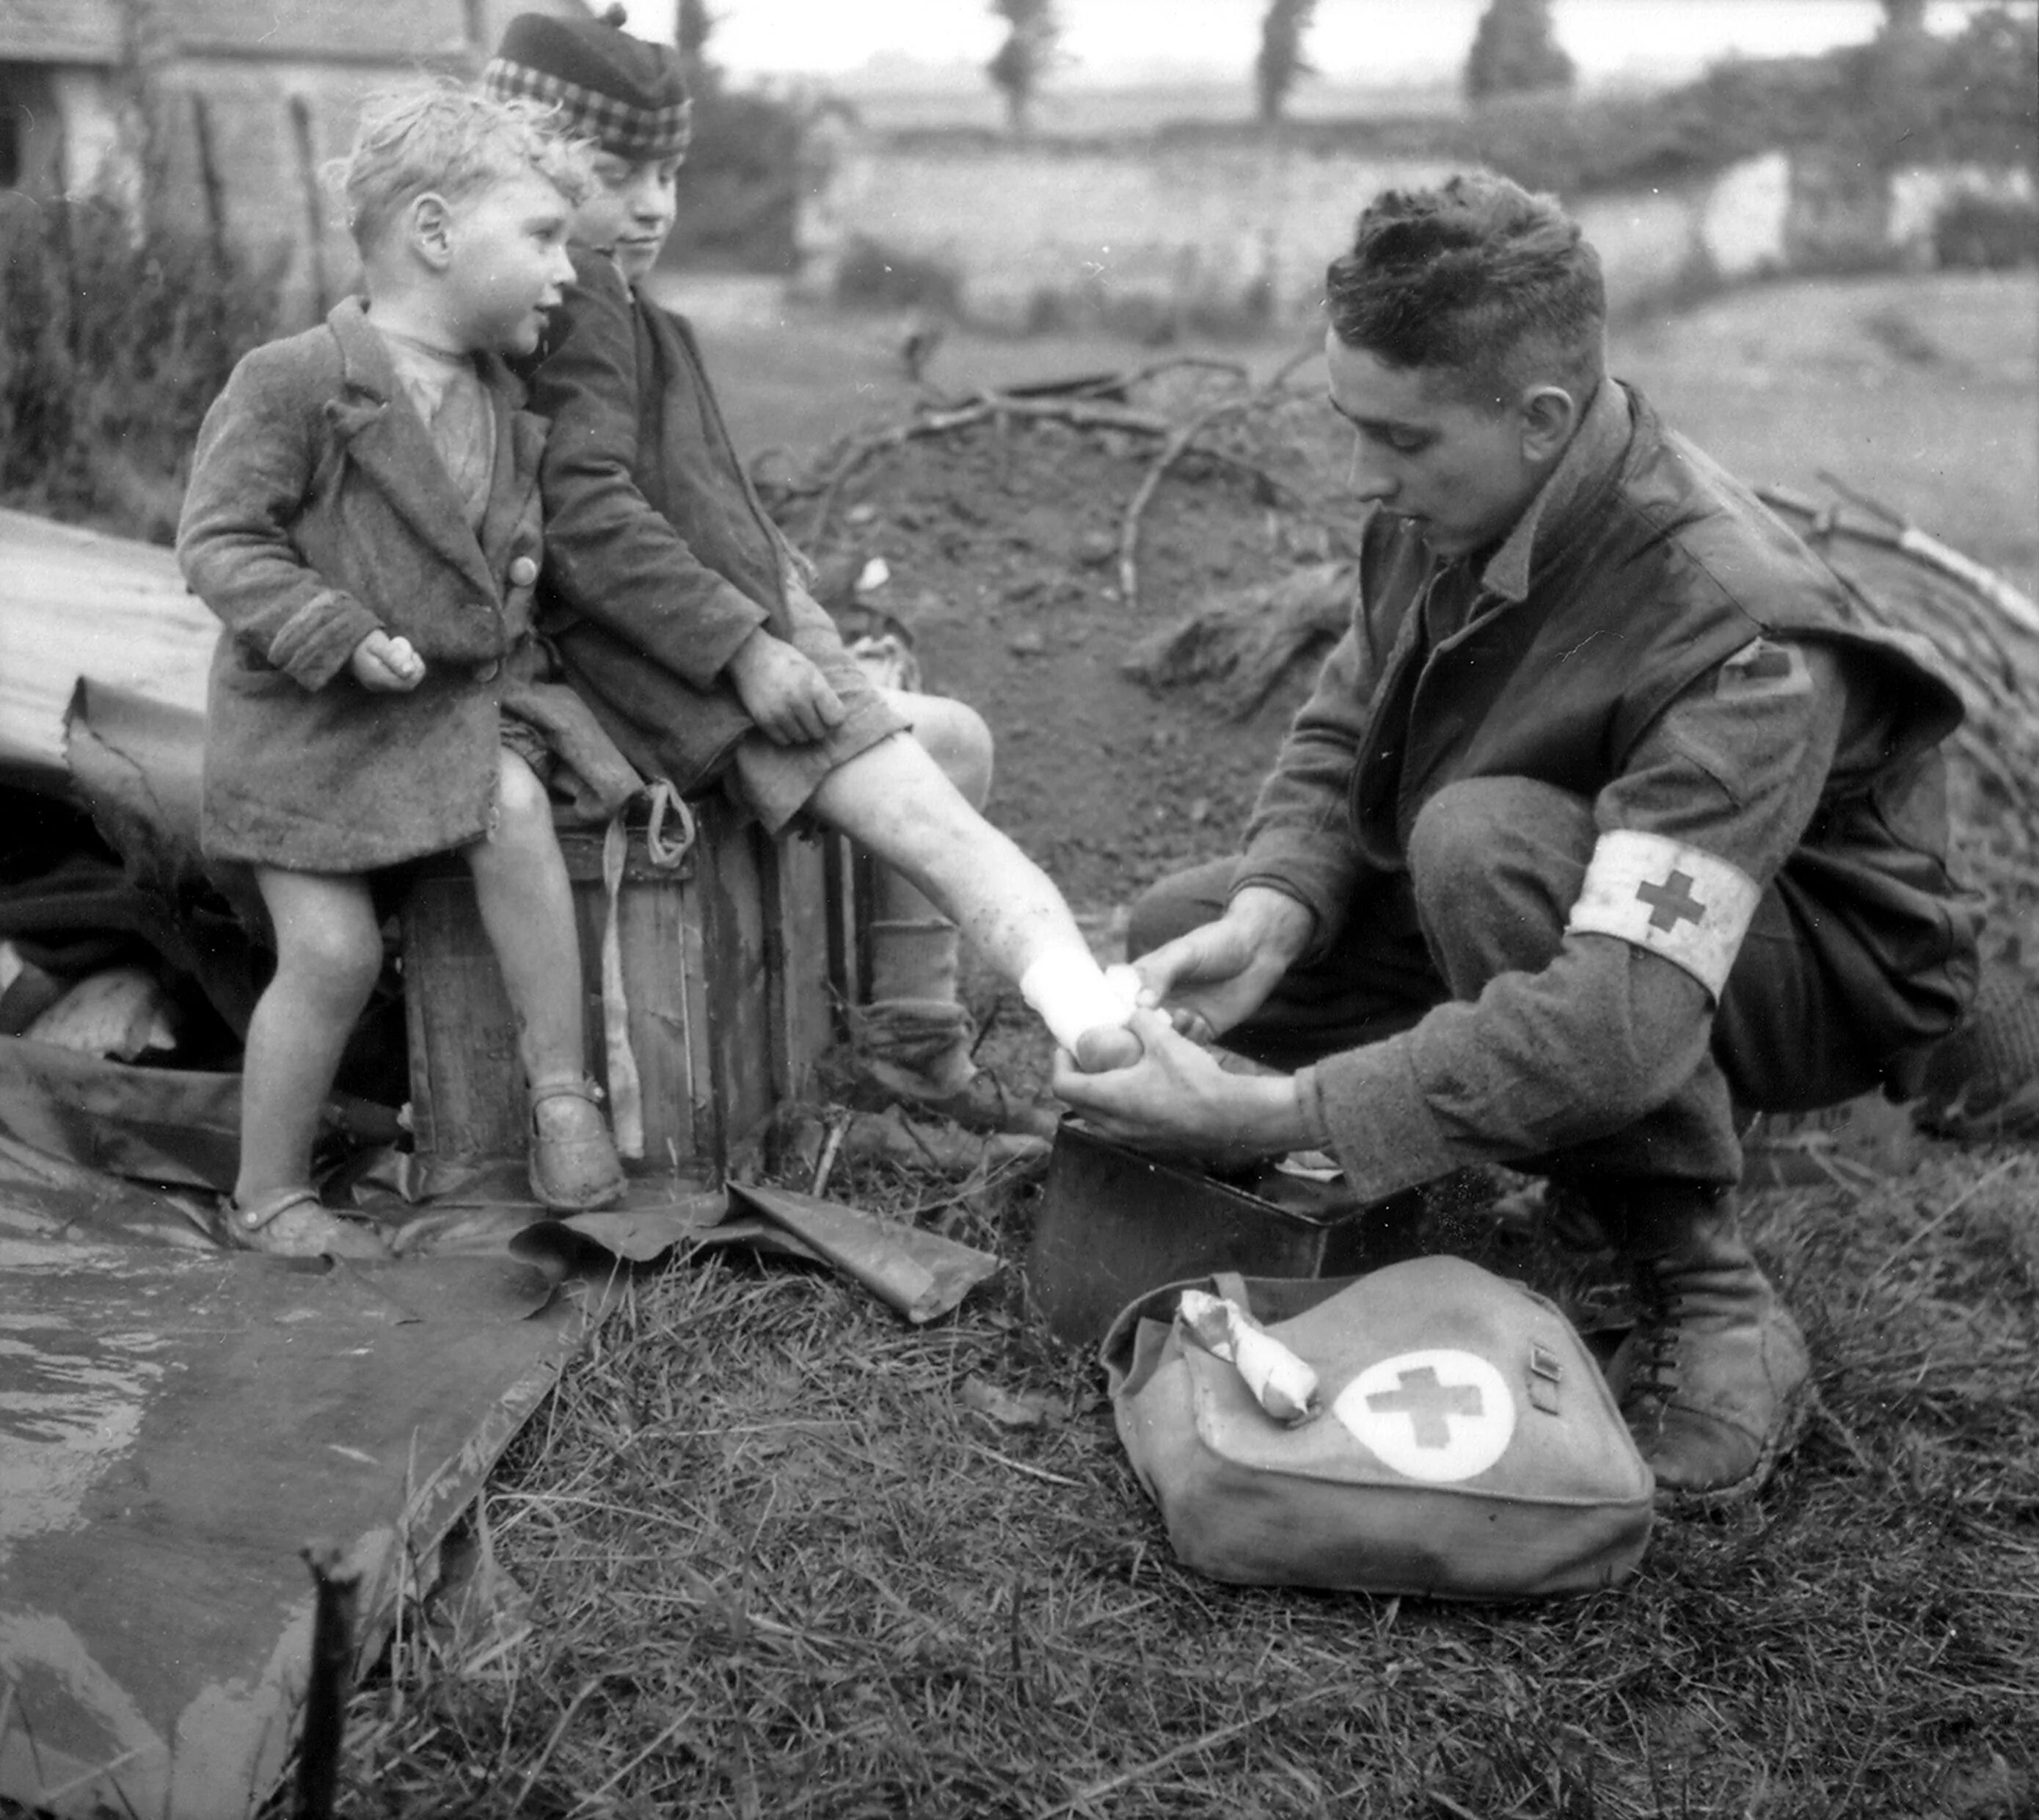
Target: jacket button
<point>523,572</point>
<point>487,672</point>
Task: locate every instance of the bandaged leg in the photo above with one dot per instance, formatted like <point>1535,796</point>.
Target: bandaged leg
<point>1085,1006</point>
<point>902,807</point>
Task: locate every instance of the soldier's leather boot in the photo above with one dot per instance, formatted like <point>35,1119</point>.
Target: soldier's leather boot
<point>1714,1380</point>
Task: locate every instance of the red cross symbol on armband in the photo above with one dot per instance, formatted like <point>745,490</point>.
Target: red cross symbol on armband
<point>1427,1403</point>
<point>1672,902</point>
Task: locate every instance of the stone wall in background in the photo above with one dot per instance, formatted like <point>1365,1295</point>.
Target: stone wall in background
<point>1163,237</point>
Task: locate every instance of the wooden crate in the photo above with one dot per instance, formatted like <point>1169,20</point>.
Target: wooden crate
<point>734,964</point>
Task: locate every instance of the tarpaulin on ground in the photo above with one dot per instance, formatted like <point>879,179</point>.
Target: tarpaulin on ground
<point>176,1426</point>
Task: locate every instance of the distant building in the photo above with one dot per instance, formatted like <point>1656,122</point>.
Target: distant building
<point>228,107</point>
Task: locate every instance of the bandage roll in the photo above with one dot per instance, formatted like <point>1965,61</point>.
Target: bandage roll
<point>1282,1384</point>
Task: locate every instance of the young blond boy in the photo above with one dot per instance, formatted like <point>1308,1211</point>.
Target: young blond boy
<point>683,617</point>
<point>363,515</point>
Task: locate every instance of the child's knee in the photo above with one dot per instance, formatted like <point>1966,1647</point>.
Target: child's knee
<point>955,735</point>
<point>335,952</point>
<point>523,806</point>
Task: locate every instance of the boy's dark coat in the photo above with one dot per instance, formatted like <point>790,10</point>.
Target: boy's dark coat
<point>662,559</point>
<point>318,511</point>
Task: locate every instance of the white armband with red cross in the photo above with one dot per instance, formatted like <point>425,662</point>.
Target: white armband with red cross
<point>1674,900</point>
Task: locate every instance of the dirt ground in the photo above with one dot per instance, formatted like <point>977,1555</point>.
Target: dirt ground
<point>1003,551</point>
<point>1001,541</point>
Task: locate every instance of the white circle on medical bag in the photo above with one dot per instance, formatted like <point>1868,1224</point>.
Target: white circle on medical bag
<point>1436,1415</point>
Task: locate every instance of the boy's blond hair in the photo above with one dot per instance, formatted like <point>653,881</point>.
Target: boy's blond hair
<point>449,142</point>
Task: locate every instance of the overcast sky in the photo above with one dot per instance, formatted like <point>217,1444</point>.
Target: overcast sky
<point>1352,40</point>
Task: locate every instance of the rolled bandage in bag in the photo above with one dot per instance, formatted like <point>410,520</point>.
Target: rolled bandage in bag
<point>1074,996</point>
<point>1282,1384</point>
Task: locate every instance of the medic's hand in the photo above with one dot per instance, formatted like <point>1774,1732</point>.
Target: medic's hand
<point>387,665</point>
<point>1175,1100</point>
<point>1219,975</point>
<point>783,690</point>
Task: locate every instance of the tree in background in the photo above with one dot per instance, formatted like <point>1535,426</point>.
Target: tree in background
<point>1516,51</point>
<point>691,24</point>
<point>1016,71</point>
<point>739,188</point>
<point>1281,64</point>
<point>1904,18</point>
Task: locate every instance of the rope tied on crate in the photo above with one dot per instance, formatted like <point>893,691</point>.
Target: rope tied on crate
<point>665,801</point>
<point>626,1089</point>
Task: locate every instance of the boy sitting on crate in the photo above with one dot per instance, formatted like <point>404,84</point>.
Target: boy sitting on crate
<point>363,514</point>
<point>684,619</point>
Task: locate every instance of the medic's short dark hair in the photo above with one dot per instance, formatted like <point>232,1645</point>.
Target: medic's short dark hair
<point>1478,279</point>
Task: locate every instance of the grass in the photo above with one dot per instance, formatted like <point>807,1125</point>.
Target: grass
<point>774,1563</point>
<point>1924,392</point>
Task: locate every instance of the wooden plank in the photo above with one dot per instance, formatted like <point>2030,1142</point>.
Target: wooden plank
<point>737,972</point>
<point>805,969</point>
<point>467,1091</point>
<point>77,603</point>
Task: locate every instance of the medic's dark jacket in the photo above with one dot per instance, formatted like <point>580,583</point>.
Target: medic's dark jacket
<point>1636,575</point>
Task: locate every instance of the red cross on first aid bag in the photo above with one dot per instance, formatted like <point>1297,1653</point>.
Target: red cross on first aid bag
<point>1428,1428</point>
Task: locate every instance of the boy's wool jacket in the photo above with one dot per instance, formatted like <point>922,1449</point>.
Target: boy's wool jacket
<point>647,606</point>
<point>319,512</point>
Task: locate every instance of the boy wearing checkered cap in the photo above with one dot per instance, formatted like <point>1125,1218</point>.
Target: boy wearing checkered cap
<point>363,516</point>
<point>683,617</point>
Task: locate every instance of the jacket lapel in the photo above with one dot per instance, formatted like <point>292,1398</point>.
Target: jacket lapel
<point>392,450</point>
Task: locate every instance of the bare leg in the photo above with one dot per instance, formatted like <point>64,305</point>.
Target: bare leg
<point>954,734</point>
<point>328,956</point>
<point>526,903</point>
<point>895,799</point>
<point>913,1037</point>
<point>914,960</point>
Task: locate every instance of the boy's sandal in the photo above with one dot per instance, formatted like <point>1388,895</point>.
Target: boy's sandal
<point>576,1170</point>
<point>293,1225</point>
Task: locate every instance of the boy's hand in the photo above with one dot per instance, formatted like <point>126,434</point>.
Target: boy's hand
<point>783,690</point>
<point>388,666</point>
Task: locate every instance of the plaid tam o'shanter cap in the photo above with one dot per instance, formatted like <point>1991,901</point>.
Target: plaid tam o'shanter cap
<point>627,94</point>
